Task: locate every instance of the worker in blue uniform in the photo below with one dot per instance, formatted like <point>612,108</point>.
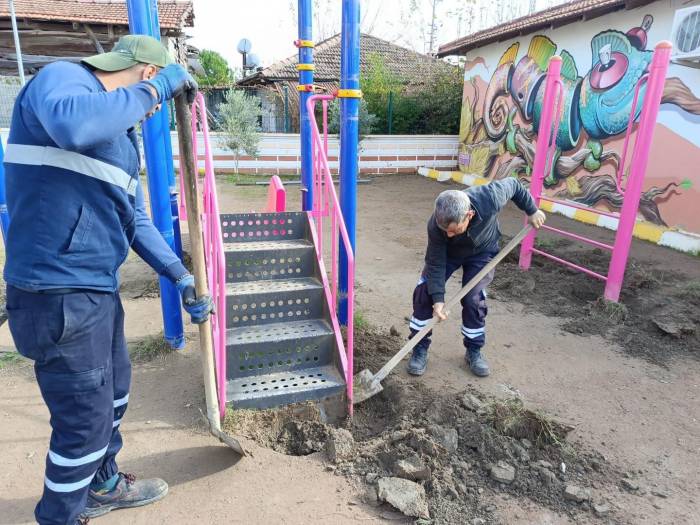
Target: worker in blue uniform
<point>76,206</point>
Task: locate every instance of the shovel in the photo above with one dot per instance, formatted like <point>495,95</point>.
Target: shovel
<point>189,174</point>
<point>366,384</point>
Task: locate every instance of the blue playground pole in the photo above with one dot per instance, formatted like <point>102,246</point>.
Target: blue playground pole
<point>4,216</point>
<point>143,21</point>
<point>306,78</point>
<point>349,135</point>
<point>168,148</point>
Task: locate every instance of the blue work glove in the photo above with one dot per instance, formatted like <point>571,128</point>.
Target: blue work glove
<point>198,307</point>
<point>173,80</point>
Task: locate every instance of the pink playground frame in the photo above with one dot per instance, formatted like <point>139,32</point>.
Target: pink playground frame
<point>213,247</point>
<point>640,155</point>
<point>326,204</point>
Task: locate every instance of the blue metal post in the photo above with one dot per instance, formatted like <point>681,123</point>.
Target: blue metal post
<point>4,216</point>
<point>155,32</point>
<point>306,56</point>
<point>143,21</point>
<point>349,135</point>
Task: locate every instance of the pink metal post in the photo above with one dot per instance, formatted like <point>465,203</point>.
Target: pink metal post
<point>323,177</point>
<point>542,150</point>
<point>213,249</point>
<point>276,196</point>
<point>640,158</point>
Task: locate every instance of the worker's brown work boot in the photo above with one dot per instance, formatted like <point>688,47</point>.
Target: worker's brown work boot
<point>126,494</point>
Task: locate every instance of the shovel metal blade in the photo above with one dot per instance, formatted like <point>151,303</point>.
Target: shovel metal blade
<point>365,386</point>
<point>231,442</point>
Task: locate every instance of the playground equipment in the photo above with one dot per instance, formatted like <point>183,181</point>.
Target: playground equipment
<point>208,244</point>
<point>276,333</point>
<point>368,385</point>
<point>143,20</point>
<point>631,188</point>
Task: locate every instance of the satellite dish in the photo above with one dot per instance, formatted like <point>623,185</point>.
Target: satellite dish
<point>253,61</point>
<point>244,45</point>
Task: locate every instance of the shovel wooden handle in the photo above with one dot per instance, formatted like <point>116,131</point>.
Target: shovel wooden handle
<point>188,170</point>
<point>387,368</point>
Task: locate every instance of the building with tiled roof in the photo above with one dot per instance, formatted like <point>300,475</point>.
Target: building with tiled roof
<point>278,82</point>
<point>50,30</point>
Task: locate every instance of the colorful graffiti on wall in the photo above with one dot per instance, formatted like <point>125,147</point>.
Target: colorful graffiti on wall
<point>500,119</point>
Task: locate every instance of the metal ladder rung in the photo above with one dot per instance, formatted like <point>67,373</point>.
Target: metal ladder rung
<point>570,264</point>
<point>578,237</point>
<point>580,207</point>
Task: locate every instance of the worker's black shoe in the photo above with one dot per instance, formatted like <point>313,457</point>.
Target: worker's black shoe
<point>419,360</point>
<point>126,494</point>
<point>476,362</point>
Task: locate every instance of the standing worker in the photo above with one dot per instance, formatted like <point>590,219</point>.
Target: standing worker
<point>463,232</point>
<point>76,206</point>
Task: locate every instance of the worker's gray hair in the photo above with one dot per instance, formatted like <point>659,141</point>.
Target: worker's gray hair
<point>451,206</point>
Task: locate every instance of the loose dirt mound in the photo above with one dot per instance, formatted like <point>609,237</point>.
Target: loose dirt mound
<point>462,449</point>
<point>658,316</point>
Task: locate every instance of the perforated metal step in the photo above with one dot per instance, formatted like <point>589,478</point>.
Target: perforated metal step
<point>266,260</point>
<point>270,333</point>
<point>274,389</point>
<point>251,227</point>
<point>265,302</point>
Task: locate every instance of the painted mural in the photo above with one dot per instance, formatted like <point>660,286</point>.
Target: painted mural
<point>502,108</point>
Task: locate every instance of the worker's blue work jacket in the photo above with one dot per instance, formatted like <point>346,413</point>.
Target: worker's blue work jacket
<point>72,179</point>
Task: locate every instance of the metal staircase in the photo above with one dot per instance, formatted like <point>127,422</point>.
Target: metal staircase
<point>281,344</point>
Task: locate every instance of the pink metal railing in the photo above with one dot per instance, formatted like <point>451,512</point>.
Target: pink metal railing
<point>213,247</point>
<point>326,205</point>
<point>276,196</point>
<point>544,154</point>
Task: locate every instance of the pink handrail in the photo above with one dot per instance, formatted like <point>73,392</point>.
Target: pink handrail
<point>276,196</point>
<point>326,204</point>
<point>213,248</point>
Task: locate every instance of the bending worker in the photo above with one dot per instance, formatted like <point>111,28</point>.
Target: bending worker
<point>76,206</point>
<point>463,233</point>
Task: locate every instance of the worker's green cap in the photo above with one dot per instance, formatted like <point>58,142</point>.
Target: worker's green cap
<point>129,51</point>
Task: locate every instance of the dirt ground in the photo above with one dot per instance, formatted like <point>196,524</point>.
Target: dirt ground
<point>626,380</point>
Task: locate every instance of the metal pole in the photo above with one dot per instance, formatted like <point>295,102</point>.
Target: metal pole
<point>349,136</point>
<point>306,78</point>
<point>390,112</point>
<point>4,216</point>
<point>143,21</point>
<point>286,108</point>
<point>155,33</point>
<point>15,34</point>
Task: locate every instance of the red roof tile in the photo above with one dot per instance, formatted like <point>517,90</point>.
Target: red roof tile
<point>556,16</point>
<point>172,14</point>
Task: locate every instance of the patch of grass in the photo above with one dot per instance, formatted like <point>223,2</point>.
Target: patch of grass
<point>149,348</point>
<point>616,312</point>
<point>691,290</point>
<point>511,418</point>
<point>10,359</point>
<point>360,322</point>
<point>246,178</point>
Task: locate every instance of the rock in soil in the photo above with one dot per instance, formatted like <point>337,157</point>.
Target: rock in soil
<point>601,510</point>
<point>630,484</point>
<point>340,445</point>
<point>548,477</point>
<point>471,402</point>
<point>394,332</point>
<point>446,437</point>
<point>404,495</point>
<point>674,328</point>
<point>503,472</point>
<point>577,494</point>
<point>411,468</point>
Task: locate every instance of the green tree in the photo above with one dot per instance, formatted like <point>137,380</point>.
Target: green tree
<point>218,72</point>
<point>239,118</point>
<point>367,120</point>
<point>377,83</point>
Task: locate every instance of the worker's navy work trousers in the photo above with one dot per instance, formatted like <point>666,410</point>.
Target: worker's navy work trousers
<point>474,308</point>
<point>81,362</point>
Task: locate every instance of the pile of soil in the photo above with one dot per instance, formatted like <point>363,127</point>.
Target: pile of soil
<point>464,450</point>
<point>657,319</point>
